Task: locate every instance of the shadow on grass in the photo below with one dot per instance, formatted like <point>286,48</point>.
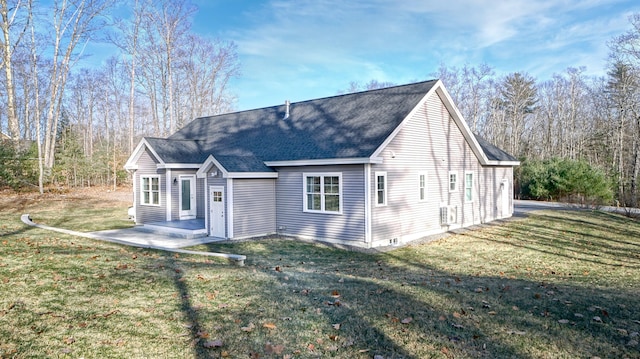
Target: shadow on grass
<point>463,315</point>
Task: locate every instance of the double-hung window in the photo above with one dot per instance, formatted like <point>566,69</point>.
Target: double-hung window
<point>323,192</point>
<point>453,181</point>
<point>468,186</point>
<point>381,188</point>
<point>422,187</point>
<point>150,190</point>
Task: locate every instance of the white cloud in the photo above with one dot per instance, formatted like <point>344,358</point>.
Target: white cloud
<point>320,43</point>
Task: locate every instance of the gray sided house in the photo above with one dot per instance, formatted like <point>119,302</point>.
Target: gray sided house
<point>366,169</point>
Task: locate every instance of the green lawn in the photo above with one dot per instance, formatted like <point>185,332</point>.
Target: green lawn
<point>555,285</point>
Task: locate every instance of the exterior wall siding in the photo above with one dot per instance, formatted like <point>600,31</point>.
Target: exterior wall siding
<point>254,207</point>
<point>430,143</point>
<point>292,220</point>
<point>146,213</point>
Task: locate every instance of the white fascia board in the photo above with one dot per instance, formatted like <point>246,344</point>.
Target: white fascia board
<point>178,165</point>
<point>132,161</point>
<point>325,161</point>
<point>204,167</point>
<point>504,163</point>
<point>252,175</point>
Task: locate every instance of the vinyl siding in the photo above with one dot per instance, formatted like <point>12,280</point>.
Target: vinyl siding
<point>431,143</point>
<point>254,207</point>
<point>292,220</point>
<point>145,213</point>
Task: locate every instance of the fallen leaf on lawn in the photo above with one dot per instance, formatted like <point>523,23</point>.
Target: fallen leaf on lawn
<point>69,340</point>
<point>563,321</point>
<point>223,305</point>
<point>224,354</point>
<point>212,343</point>
<point>456,315</point>
<point>492,312</point>
<point>578,315</point>
<point>515,308</point>
<point>278,269</point>
<point>479,290</point>
<point>457,326</point>
<point>273,349</point>
<point>406,320</point>
<point>203,335</point>
<point>333,337</point>
<point>341,280</point>
<point>335,294</point>
<point>269,325</point>
<point>248,328</point>
<point>311,347</point>
<point>597,319</point>
<point>442,318</point>
<point>336,326</point>
<point>363,350</point>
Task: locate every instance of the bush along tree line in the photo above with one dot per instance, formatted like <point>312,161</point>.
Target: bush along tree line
<point>561,179</point>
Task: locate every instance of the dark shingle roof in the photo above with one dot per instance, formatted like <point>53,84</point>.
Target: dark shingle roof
<point>493,153</point>
<point>345,126</point>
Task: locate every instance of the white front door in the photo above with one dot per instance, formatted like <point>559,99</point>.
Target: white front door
<point>187,197</point>
<point>216,212</point>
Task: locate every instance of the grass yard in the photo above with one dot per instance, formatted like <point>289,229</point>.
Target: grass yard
<point>559,284</point>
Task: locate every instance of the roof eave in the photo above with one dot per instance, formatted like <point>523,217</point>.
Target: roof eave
<point>179,165</point>
<point>325,162</point>
<point>503,163</point>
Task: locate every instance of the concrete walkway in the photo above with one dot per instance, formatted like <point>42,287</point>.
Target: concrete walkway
<point>131,237</point>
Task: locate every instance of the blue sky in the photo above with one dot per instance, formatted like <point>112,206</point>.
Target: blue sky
<point>304,49</point>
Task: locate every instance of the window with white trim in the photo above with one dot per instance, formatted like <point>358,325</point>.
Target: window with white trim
<point>323,192</point>
<point>150,190</point>
<point>453,181</point>
<point>422,186</point>
<point>468,186</point>
<point>381,188</point>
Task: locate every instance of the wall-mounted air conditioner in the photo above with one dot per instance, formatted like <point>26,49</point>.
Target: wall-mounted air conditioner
<point>448,215</point>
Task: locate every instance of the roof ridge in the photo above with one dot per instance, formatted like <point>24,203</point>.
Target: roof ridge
<point>318,99</point>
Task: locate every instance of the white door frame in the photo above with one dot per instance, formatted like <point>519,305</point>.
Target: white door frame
<point>217,227</point>
<point>193,210</point>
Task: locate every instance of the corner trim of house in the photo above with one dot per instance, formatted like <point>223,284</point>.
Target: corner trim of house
<point>229,207</point>
<point>367,203</point>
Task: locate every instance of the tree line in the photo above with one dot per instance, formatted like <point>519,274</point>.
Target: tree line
<point>75,126</point>
<point>569,120</point>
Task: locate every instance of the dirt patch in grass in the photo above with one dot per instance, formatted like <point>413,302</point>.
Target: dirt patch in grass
<point>99,197</point>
